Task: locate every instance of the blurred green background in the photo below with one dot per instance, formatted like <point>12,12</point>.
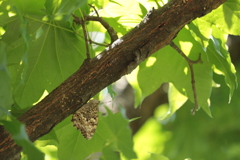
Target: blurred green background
<point>197,137</point>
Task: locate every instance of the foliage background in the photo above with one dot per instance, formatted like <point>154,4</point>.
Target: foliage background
<point>41,47</point>
<point>198,136</point>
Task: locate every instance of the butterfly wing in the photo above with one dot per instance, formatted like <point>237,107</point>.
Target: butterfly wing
<point>86,118</point>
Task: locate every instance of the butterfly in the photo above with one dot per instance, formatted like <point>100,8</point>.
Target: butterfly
<point>86,118</point>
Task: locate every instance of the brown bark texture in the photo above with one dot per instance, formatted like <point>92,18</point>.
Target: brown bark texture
<point>157,29</point>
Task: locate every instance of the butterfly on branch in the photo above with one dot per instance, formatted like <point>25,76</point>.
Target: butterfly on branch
<point>86,118</point>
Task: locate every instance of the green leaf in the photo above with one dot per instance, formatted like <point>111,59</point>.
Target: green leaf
<point>176,100</point>
<point>226,17</point>
<point>143,10</point>
<point>202,72</point>
<point>221,61</point>
<point>68,6</point>
<point>124,10</point>
<point>109,153</point>
<point>29,7</point>
<point>120,134</point>
<point>201,31</point>
<point>111,128</point>
<point>7,13</point>
<point>217,55</point>
<point>150,138</point>
<point>62,10</point>
<point>111,91</point>
<point>118,27</point>
<point>18,132</point>
<point>54,53</point>
<point>167,65</point>
<point>6,99</point>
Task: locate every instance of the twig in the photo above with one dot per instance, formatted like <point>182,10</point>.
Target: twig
<point>90,40</point>
<point>110,30</point>
<point>82,22</point>
<point>94,9</point>
<point>190,63</point>
<point>100,44</point>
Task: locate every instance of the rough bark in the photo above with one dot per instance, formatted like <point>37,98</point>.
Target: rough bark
<point>156,30</point>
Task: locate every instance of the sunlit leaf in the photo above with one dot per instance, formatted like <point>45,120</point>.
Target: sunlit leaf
<point>220,58</point>
<point>176,100</point>
<point>201,31</point>
<point>153,138</point>
<point>124,10</point>
<point>226,17</point>
<point>171,67</point>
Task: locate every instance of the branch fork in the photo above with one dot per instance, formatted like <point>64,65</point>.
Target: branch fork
<point>190,63</point>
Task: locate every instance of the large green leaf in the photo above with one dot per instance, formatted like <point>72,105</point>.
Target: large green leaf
<point>51,54</point>
<point>168,66</point>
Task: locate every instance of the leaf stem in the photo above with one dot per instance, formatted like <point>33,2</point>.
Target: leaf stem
<point>190,63</point>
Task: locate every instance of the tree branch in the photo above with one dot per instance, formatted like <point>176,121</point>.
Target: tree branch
<point>156,30</point>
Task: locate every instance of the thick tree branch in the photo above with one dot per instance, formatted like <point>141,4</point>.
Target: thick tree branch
<point>156,30</point>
